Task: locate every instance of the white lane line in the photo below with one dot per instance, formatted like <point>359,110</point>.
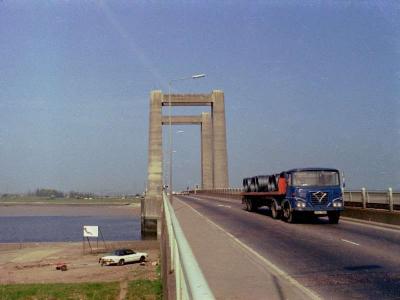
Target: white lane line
<point>221,205</point>
<point>350,242</point>
<point>311,294</point>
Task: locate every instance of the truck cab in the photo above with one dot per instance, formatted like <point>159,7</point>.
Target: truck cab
<point>314,192</point>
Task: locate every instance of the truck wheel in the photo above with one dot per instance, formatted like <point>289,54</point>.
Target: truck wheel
<point>251,205</point>
<point>246,205</point>
<point>275,213</point>
<point>334,217</point>
<point>289,216</point>
<point>244,202</point>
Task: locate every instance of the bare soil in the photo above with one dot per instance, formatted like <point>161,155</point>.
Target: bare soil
<point>36,263</point>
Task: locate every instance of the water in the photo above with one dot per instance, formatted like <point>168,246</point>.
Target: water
<point>22,229</point>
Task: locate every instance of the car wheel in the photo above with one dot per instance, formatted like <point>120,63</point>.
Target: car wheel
<point>121,262</point>
<point>142,259</point>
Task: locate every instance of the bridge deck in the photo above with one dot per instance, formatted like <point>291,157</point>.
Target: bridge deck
<point>232,271</point>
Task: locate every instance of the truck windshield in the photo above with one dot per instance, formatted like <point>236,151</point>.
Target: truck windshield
<point>315,178</point>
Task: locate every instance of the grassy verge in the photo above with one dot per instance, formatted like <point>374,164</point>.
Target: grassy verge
<point>92,291</point>
<point>144,289</point>
<point>137,289</point>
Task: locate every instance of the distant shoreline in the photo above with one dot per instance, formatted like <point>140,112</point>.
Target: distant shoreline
<point>20,203</point>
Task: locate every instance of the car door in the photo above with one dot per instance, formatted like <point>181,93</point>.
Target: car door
<point>130,256</point>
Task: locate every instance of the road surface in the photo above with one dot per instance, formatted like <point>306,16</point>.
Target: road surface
<point>343,261</point>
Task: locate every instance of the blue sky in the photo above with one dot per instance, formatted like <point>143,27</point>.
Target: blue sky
<point>307,83</point>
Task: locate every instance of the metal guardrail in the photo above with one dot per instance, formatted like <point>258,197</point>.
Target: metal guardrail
<point>189,279</point>
<point>366,199</point>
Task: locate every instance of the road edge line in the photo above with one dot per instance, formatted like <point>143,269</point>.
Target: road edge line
<point>291,280</point>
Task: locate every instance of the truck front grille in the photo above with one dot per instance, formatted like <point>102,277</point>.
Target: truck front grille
<point>319,198</point>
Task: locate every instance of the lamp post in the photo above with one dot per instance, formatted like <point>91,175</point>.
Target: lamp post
<point>196,76</point>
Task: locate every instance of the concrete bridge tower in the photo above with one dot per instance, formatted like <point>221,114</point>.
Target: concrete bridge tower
<point>214,163</point>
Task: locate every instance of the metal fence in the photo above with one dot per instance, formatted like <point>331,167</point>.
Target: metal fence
<point>189,279</point>
<point>366,199</point>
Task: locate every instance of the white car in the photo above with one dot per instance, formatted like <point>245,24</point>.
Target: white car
<point>122,256</point>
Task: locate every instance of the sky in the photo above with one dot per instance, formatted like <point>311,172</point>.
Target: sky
<point>306,83</point>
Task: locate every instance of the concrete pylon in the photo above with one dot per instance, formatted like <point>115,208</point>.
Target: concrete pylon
<point>151,208</point>
<point>220,176</point>
<point>214,165</point>
<point>207,181</point>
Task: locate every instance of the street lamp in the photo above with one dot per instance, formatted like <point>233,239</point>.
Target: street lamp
<point>196,76</point>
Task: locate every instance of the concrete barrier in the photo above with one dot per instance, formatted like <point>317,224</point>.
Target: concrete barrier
<point>374,215</point>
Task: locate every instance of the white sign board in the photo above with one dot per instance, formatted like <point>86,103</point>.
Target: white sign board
<point>90,231</point>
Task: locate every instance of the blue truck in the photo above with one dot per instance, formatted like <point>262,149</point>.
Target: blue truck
<point>290,195</point>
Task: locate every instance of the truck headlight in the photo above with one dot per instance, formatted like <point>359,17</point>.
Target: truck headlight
<point>300,204</point>
<point>337,203</point>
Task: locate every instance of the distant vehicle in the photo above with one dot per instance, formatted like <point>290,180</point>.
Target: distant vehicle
<point>123,256</point>
<point>307,192</point>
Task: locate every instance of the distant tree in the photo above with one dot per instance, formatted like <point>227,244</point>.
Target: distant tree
<point>51,193</point>
<point>78,195</point>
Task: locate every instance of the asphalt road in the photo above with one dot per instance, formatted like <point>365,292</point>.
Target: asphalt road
<point>344,261</point>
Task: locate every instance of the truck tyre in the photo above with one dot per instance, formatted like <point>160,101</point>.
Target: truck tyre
<point>251,205</point>
<point>275,213</point>
<point>289,216</point>
<point>333,217</point>
<point>246,204</point>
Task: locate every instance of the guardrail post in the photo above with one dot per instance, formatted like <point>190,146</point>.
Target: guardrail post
<point>364,197</point>
<point>390,194</point>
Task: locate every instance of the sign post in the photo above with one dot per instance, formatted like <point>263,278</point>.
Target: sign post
<point>90,231</point>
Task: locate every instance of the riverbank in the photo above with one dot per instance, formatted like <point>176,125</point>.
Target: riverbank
<point>36,263</point>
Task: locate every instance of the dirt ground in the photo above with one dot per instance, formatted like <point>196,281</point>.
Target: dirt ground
<point>36,263</point>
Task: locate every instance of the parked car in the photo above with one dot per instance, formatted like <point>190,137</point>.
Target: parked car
<point>122,256</point>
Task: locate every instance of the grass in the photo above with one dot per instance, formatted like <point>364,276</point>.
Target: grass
<point>137,289</point>
<point>144,289</point>
<point>16,199</point>
<point>92,291</point>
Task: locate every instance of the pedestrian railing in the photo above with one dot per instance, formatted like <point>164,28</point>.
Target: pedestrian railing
<point>189,279</point>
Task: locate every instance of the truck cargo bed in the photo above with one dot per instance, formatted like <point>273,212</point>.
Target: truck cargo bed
<point>262,194</point>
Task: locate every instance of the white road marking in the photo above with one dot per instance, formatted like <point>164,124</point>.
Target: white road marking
<point>269,264</point>
<point>221,205</point>
<point>350,242</point>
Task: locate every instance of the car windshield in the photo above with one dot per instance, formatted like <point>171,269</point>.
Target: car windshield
<point>315,178</point>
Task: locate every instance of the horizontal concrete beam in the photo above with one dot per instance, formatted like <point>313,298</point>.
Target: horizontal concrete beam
<point>187,100</point>
<point>182,120</point>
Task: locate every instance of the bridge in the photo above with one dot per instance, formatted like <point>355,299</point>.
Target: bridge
<point>212,248</point>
